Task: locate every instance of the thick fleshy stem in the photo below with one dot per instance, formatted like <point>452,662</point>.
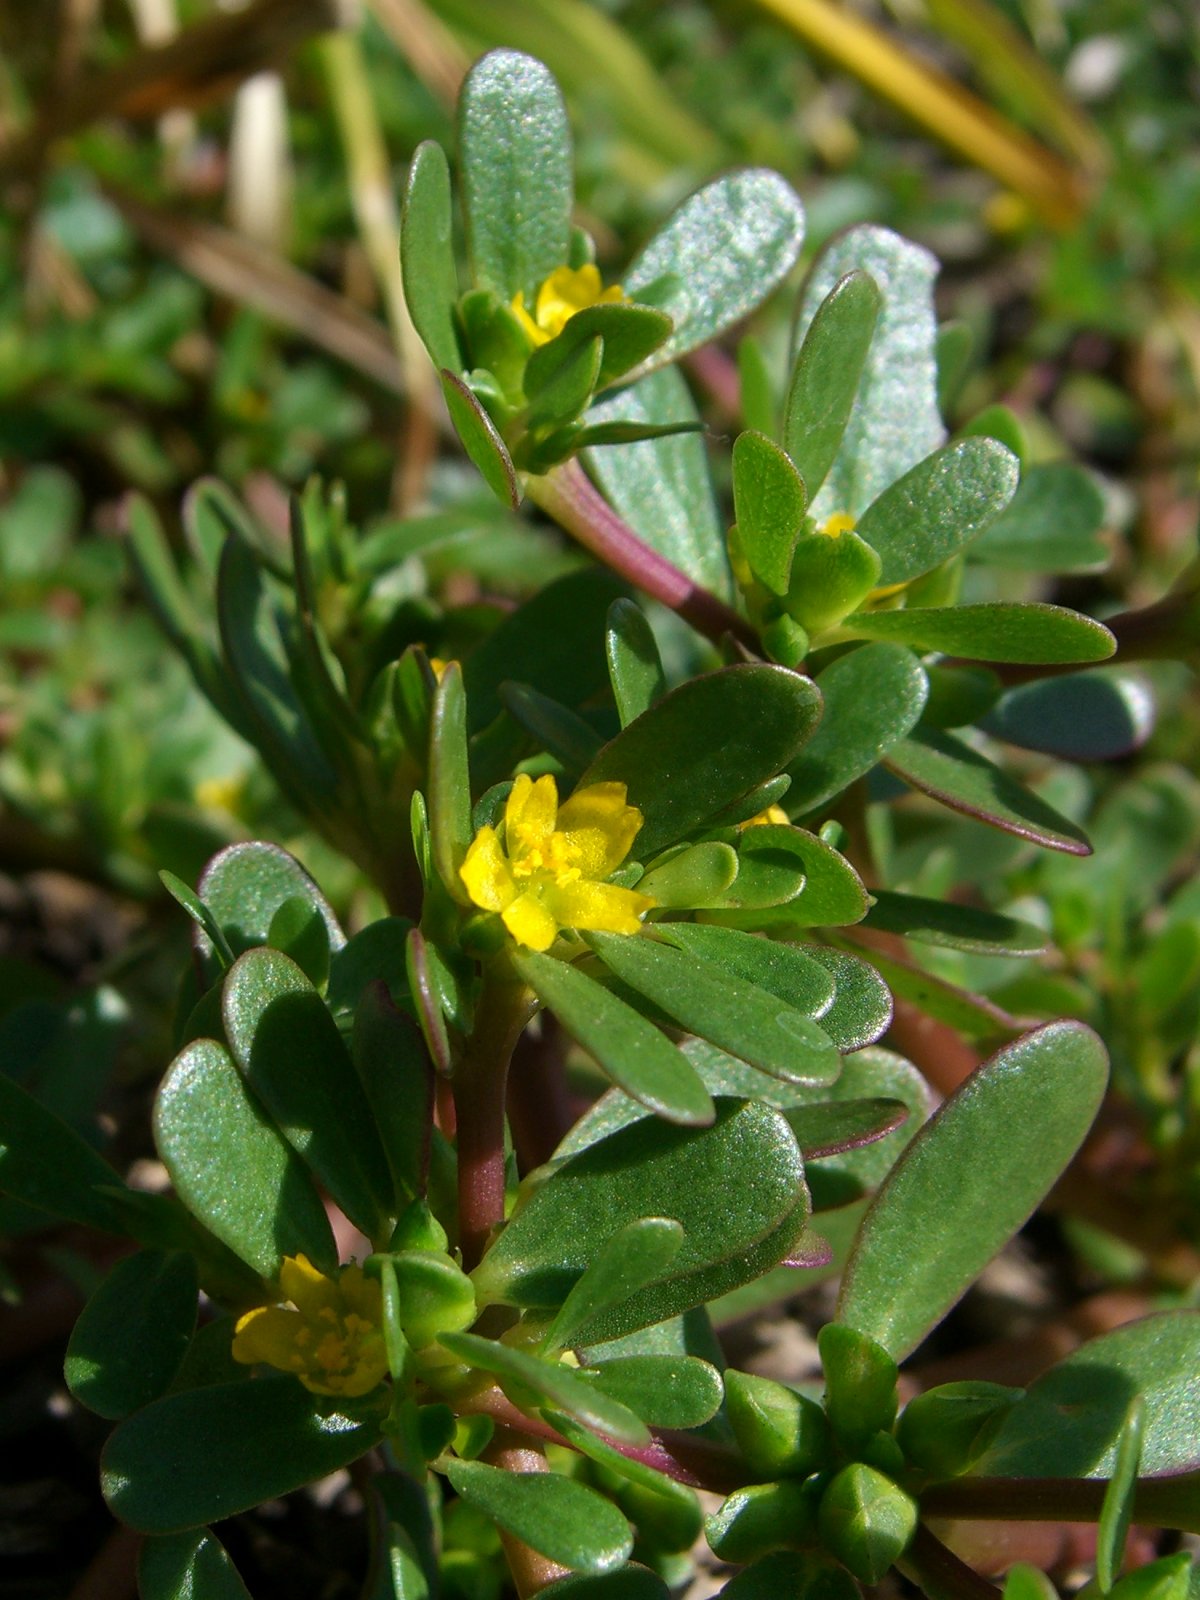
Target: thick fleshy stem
<point>480,1078</point>
<point>567,494</point>
<point>531,1571</point>
<point>940,1573</point>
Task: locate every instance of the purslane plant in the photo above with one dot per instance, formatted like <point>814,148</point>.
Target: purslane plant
<point>590,870</point>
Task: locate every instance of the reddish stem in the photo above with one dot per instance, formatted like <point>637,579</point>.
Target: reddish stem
<point>531,1570</point>
<point>942,1575</point>
<point>568,495</point>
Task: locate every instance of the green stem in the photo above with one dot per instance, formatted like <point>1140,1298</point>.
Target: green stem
<point>480,1084</point>
<point>568,495</point>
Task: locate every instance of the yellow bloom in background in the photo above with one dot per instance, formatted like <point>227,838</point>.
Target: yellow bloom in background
<point>764,819</point>
<point>548,871</point>
<point>566,291</point>
<point>330,1336</point>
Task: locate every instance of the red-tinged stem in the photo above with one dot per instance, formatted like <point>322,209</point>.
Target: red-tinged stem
<point>480,1081</point>
<point>568,495</point>
<point>1016,1499</point>
<point>940,1573</point>
<point>531,1570</point>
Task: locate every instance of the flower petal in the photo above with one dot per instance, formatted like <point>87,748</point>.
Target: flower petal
<point>485,872</point>
<point>309,1290</point>
<point>530,923</point>
<point>268,1333</point>
<point>602,907</point>
<point>600,827</point>
<point>529,817</point>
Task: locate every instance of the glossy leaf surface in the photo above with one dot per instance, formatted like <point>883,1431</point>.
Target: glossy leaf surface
<point>943,922</point>
<point>244,887</point>
<point>564,1520</point>
<point>993,631</point>
<point>133,1334</point>
<point>826,374</point>
<point>635,1255</point>
<point>188,1566</point>
<point>427,255</point>
<point>769,502</point>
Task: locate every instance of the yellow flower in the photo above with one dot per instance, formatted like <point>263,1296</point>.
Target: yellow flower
<point>841,522</point>
<point>772,815</point>
<point>330,1336</point>
<point>566,291</point>
<point>549,871</point>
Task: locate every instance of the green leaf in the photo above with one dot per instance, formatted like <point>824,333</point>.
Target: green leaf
<point>873,696</point>
<point>948,770</point>
<point>244,886</point>
<point>787,1572</point>
<point>894,421</point>
<point>944,1430</point>
<point>831,575</point>
<point>515,159</point>
<point>826,374</point>
<point>634,665</point>
<point>548,1381</point>
<point>866,1521</point>
<point>291,1053</point>
<point>628,334</point>
<point>397,1077</point>
<point>230,1446</point>
<point>1070,1421</point>
<point>692,877</point>
<point>133,1333</point>
<point>678,775</point>
<point>771,857</point>
<point>232,1168</point>
<point>971,1014</point>
<point>938,507</point>
<point>760,1518</point>
<point>561,1519</point>
<point>756,388</point>
<point>665,1391</point>
<point>1051,524</point>
<point>861,1393</point>
<point>200,915</point>
<point>973,1175</point>
<point>784,970</point>
<point>635,1255</point>
<point>1117,1510</point>
<point>298,931</point>
<point>862,1003</point>
<point>427,255</point>
<point>779,1433</point>
<point>567,386</point>
<point>737,1016</point>
<point>480,439</point>
<point>627,1583</point>
<point>450,781</point>
<point>994,631</point>
<point>375,954</point>
<point>257,658</point>
<point>663,487</point>
<point>629,1049</point>
<point>724,251</point>
<point>737,1188</point>
<point>568,738</point>
<point>674,1509</point>
<point>943,922</point>
<point>188,1566</point>
<point>1083,716</point>
<point>769,501</point>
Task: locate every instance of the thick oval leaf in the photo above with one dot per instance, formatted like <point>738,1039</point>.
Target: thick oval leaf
<point>427,255</point>
<point>738,1016</point>
<point>971,1014</point>
<point>481,440</point>
<point>734,1186</point>
<point>1116,1514</point>
<point>514,145</point>
<point>635,667</point>
<point>549,1381</point>
<point>692,877</point>
<point>873,698</point>
<point>291,1053</point>
<point>46,1164</point>
<point>826,375</point>
<point>635,1054</point>
<point>628,333</point>
<point>188,1566</point>
<point>674,770</point>
<point>1051,524</point>
<point>663,487</point>
<point>665,1391</point>
<point>769,501</point>
<point>673,1510</point>
<point>784,970</point>
<point>894,421</point>
<point>723,251</point>
<point>959,927</point>
<point>1084,716</point>
<point>969,1180</point>
<point>628,1583</point>
<point>206,1454</point>
<point>449,796</point>
<point>232,1168</point>
<point>938,506</point>
<point>133,1333</point>
<point>564,1520</point>
<point>862,1002</point>
<point>948,770</point>
<point>1069,1423</point>
<point>635,1255</point>
<point>244,887</point>
<point>996,631</point>
<point>397,1076</point>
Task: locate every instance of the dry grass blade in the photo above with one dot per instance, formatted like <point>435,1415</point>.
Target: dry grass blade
<point>201,65</point>
<point>254,276</point>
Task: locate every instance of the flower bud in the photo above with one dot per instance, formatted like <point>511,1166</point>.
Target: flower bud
<point>780,1433</point>
<point>866,1521</point>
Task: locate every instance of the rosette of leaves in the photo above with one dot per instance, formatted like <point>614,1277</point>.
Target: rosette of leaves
<point>521,397</point>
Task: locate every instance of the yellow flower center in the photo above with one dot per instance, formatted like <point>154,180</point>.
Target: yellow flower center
<point>833,527</point>
<point>565,292</point>
<point>547,871</point>
<point>330,1336</point>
